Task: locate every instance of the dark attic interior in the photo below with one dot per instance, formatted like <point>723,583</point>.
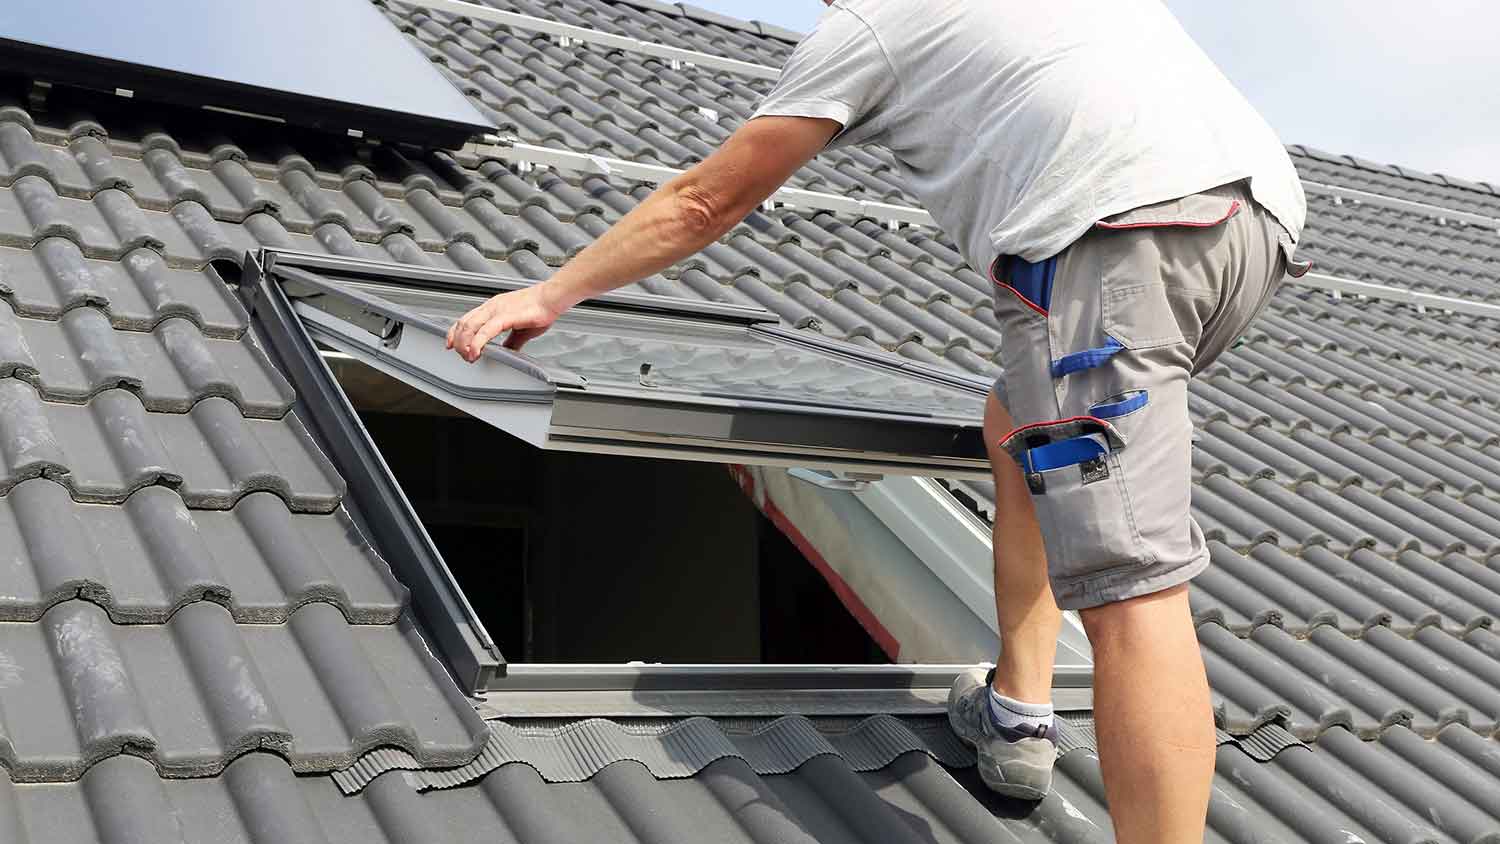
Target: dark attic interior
<point>598,558</point>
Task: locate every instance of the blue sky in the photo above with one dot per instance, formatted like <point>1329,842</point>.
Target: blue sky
<point>1393,82</point>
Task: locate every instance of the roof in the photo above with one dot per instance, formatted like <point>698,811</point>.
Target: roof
<point>196,632</point>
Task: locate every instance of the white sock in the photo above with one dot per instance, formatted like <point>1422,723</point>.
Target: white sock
<point>1019,715</point>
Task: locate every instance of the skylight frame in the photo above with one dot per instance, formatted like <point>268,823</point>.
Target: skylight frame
<point>379,507</point>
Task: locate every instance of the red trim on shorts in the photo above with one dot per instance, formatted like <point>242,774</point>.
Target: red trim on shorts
<point>1027,302</point>
<point>1151,224</point>
<point>1101,422</point>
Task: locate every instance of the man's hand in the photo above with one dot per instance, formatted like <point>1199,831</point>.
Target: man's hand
<point>679,218</point>
<point>525,313</point>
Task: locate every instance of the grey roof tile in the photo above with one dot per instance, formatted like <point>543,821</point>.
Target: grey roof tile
<point>145,559</point>
<point>171,367</point>
<point>1367,684</point>
<point>196,692</point>
<point>1293,592</point>
<point>112,446</point>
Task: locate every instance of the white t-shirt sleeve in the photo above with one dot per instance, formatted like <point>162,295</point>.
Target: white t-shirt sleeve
<point>838,72</point>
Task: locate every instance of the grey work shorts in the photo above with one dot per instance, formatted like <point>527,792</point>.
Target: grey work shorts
<point>1098,345</point>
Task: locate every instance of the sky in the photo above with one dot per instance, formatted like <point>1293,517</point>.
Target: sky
<point>1394,82</point>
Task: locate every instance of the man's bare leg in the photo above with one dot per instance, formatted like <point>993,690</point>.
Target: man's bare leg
<point>1153,716</point>
<point>1028,617</point>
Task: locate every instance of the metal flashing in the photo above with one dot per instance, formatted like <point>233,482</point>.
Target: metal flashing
<point>374,499</point>
<point>673,749</point>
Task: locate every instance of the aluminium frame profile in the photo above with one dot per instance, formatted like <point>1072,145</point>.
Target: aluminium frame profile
<point>510,149</point>
<point>1384,292</point>
<point>1396,203</point>
<point>378,503</point>
<point>730,690</point>
<point>678,55</point>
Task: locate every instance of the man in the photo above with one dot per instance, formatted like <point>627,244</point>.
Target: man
<point>1135,214</point>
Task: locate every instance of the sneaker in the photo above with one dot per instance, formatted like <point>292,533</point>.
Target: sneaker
<point>1011,762</point>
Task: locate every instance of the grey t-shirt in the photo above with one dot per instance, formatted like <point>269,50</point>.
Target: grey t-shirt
<point>1019,125</point>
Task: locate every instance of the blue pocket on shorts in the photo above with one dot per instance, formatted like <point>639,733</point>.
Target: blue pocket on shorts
<point>1031,282</point>
<point>1116,406</point>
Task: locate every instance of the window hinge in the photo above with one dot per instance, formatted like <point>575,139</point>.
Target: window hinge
<point>841,481</point>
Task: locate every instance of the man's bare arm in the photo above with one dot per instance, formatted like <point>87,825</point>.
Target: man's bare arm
<point>678,219</point>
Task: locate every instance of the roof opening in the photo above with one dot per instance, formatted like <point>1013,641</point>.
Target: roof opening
<point>597,558</point>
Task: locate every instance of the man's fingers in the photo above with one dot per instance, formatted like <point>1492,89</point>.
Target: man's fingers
<point>505,312</point>
<point>461,335</point>
<point>484,334</point>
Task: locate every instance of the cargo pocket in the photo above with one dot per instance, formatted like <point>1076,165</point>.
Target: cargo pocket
<point>1136,306</point>
<point>1077,481</point>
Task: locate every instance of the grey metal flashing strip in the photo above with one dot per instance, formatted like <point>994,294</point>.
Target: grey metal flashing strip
<point>1385,292</point>
<point>1264,742</point>
<point>1076,731</point>
<point>575,752</point>
<point>484,284</point>
<point>374,499</point>
<point>1398,204</point>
